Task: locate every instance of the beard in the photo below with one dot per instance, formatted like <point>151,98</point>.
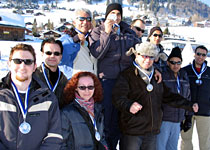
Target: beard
<point>21,79</point>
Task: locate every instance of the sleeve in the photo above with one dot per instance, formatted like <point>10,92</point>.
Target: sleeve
<point>2,147</point>
<point>120,95</point>
<point>53,139</point>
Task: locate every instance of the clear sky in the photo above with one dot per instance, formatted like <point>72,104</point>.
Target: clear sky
<point>206,2</point>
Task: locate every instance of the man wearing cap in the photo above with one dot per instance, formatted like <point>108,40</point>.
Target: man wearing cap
<point>138,25</point>
<point>76,53</point>
<point>108,44</point>
<point>176,79</point>
<point>199,77</point>
<point>139,97</point>
<point>48,71</point>
<point>29,113</point>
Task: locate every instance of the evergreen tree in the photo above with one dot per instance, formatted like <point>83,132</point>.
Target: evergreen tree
<point>34,28</point>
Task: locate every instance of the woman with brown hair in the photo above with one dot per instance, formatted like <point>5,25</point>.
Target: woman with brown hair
<point>82,118</point>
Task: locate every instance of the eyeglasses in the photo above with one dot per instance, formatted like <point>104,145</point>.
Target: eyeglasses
<point>199,54</point>
<point>90,87</point>
<point>160,35</point>
<point>146,57</point>
<point>50,53</point>
<point>175,62</point>
<point>26,61</point>
<point>139,29</point>
<point>84,18</point>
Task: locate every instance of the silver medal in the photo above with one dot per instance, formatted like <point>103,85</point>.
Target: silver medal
<point>149,87</point>
<point>198,82</point>
<point>97,136</point>
<point>25,127</point>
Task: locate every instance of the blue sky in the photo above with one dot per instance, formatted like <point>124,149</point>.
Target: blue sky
<point>206,2</point>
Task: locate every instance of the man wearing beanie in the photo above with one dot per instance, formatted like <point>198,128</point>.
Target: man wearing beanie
<point>139,97</point>
<point>108,44</point>
<point>176,80</point>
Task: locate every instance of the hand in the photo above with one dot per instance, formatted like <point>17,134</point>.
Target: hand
<point>158,76</point>
<point>195,107</point>
<point>135,107</point>
<point>186,124</point>
<point>81,38</point>
<point>108,25</point>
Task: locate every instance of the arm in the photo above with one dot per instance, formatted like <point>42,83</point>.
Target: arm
<point>2,147</point>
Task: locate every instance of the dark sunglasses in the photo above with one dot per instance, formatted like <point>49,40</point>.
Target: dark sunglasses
<point>84,18</point>
<point>139,29</point>
<point>26,61</point>
<point>199,54</point>
<point>150,57</point>
<point>90,87</point>
<point>160,35</point>
<point>50,53</point>
<point>175,62</point>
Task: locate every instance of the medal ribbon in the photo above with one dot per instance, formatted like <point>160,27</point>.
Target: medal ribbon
<point>148,76</point>
<point>47,80</point>
<point>203,69</point>
<point>78,31</point>
<point>178,84</point>
<point>20,103</point>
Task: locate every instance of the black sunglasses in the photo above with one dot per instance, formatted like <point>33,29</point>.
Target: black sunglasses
<point>139,29</point>
<point>199,54</point>
<point>150,57</point>
<point>90,87</point>
<point>175,62</point>
<point>84,18</point>
<point>26,61</point>
<point>50,53</point>
<point>160,35</point>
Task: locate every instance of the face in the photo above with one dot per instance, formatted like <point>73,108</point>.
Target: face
<point>117,13</point>
<point>138,26</point>
<point>174,64</point>
<point>156,37</point>
<point>200,59</point>
<point>86,93</point>
<point>51,60</point>
<point>144,61</point>
<point>82,24</point>
<point>21,72</point>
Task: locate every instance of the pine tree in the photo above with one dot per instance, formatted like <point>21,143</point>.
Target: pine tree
<point>34,28</point>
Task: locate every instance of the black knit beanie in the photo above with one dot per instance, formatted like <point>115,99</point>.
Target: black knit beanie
<point>176,52</point>
<point>113,6</point>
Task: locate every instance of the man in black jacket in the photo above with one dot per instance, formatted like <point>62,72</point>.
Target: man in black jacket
<point>199,77</point>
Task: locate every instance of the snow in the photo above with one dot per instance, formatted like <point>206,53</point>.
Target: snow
<point>11,19</point>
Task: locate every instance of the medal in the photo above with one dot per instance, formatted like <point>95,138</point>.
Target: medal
<point>25,127</point>
<point>198,82</point>
<point>149,87</point>
<point>97,136</point>
<point>203,69</point>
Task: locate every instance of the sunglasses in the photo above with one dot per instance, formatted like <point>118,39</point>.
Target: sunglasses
<point>160,35</point>
<point>26,61</point>
<point>90,87</point>
<point>199,54</point>
<point>50,53</point>
<point>175,62</point>
<point>146,57</point>
<point>84,18</point>
<point>139,29</point>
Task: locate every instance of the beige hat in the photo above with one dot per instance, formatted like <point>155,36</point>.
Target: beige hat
<point>145,48</point>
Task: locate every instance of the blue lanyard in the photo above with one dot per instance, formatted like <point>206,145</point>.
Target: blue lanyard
<point>203,69</point>
<point>47,80</point>
<point>78,31</point>
<point>178,84</point>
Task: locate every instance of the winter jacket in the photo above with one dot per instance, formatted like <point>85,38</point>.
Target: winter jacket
<point>60,86</point>
<point>200,93</point>
<point>75,131</point>
<point>170,113</point>
<point>43,116</point>
<point>110,49</point>
<point>131,88</point>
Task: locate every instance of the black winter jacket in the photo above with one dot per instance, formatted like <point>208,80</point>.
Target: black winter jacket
<point>131,88</point>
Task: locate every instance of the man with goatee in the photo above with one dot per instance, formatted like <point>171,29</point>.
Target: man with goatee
<point>29,113</point>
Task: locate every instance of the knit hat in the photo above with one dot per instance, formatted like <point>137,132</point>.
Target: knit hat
<point>154,29</point>
<point>145,48</point>
<point>113,6</point>
<point>176,52</point>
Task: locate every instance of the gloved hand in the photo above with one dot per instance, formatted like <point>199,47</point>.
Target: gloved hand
<point>187,123</point>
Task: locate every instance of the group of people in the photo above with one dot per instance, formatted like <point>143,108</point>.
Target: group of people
<point>100,85</point>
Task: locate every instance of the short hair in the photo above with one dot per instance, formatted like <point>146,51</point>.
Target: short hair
<point>52,41</point>
<point>201,47</point>
<point>132,23</point>
<point>87,11</point>
<point>70,88</point>
<point>23,47</point>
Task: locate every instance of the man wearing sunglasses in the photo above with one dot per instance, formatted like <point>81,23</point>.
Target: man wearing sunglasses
<point>76,53</point>
<point>29,113</point>
<point>138,26</point>
<point>176,79</point>
<point>199,77</point>
<point>49,71</point>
